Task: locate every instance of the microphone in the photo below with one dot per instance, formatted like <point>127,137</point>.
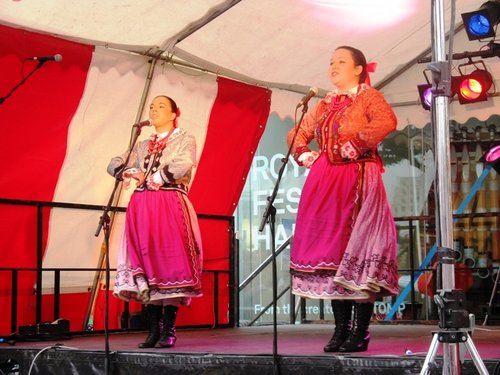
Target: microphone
<point>142,123</point>
<point>313,91</point>
<point>57,58</point>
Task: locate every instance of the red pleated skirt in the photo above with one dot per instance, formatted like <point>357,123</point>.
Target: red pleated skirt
<point>345,243</point>
<point>162,245</point>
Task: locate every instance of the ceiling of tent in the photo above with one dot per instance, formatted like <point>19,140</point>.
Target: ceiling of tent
<point>280,43</point>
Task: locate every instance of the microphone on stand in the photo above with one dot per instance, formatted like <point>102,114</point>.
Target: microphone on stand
<point>142,123</point>
<point>313,91</point>
<point>56,58</point>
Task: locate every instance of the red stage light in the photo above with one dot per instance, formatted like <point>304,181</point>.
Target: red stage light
<point>470,88</point>
<point>473,87</point>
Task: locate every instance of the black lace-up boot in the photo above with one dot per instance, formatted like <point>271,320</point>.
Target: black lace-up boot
<point>360,336</point>
<point>154,316</point>
<point>342,312</point>
<point>168,332</point>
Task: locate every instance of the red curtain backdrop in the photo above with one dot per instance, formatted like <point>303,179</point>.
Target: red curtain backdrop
<point>237,121</point>
<point>39,112</point>
<point>37,116</point>
<point>34,120</point>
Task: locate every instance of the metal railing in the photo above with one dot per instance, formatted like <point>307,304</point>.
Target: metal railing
<point>412,223</point>
<point>39,270</point>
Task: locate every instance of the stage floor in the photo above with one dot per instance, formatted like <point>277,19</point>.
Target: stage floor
<point>394,349</point>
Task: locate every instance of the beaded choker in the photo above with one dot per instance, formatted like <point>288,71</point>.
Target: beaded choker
<point>155,145</point>
<point>337,104</point>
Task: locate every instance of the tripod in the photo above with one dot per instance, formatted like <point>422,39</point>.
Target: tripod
<point>455,324</point>
<point>493,158</point>
<point>450,301</point>
<point>492,297</point>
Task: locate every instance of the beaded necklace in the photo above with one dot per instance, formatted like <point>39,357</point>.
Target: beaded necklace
<point>155,145</point>
<point>339,103</point>
<point>331,123</point>
<point>155,149</point>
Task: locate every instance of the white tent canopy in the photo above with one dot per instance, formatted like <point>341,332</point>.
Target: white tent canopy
<point>280,44</point>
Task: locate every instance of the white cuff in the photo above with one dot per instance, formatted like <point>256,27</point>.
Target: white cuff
<point>157,178</point>
<point>304,156</point>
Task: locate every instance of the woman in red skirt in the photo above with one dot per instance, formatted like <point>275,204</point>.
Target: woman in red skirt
<point>345,247</point>
<point>160,258</point>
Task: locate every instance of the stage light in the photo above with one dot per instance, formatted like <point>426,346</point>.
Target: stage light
<point>425,93</point>
<point>472,87</point>
<point>481,23</point>
<point>492,156</point>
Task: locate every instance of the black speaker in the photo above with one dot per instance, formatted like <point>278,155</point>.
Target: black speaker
<point>57,328</point>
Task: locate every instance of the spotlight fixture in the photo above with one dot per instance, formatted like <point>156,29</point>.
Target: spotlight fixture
<point>425,93</point>
<point>492,156</point>
<point>481,23</point>
<point>472,87</point>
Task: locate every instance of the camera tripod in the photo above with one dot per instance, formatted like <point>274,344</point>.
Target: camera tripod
<point>455,326</point>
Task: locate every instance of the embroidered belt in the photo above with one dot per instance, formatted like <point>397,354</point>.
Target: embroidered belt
<point>366,157</point>
<point>165,186</point>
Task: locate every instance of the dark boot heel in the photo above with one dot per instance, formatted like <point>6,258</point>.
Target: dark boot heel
<point>342,312</point>
<point>168,333</point>
<point>355,344</point>
<point>360,336</point>
<point>154,315</point>
<point>169,339</point>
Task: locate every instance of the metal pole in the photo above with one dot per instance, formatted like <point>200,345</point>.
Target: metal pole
<point>439,113</point>
<point>450,301</point>
<point>439,109</point>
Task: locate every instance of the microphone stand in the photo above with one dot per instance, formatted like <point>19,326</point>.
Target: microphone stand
<point>40,64</point>
<point>104,223</point>
<point>269,216</point>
